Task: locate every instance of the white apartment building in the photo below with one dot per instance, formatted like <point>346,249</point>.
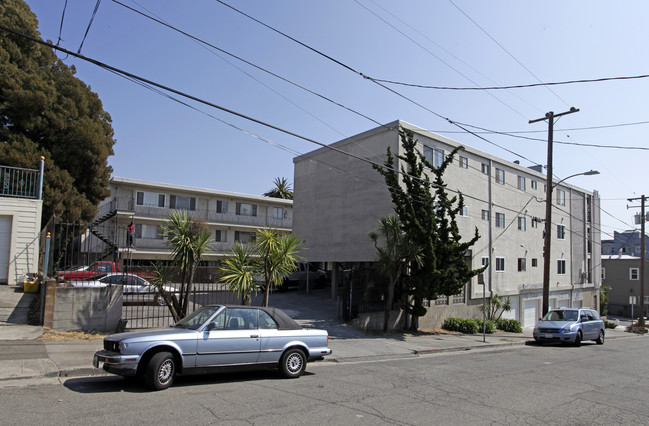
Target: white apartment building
<point>339,199</point>
<point>230,217</point>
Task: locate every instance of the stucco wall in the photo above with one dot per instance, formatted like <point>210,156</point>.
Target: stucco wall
<point>25,216</point>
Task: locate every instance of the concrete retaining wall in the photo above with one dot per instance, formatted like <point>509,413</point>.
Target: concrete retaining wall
<point>82,308</point>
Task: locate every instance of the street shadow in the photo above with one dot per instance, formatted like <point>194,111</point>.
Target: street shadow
<point>116,384</point>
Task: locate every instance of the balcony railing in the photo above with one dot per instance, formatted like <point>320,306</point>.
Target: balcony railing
<point>21,183</point>
<point>230,218</point>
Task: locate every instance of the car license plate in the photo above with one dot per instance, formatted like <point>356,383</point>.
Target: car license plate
<point>95,361</point>
<point>549,336</point>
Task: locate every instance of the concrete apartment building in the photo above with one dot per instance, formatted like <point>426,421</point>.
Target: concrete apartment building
<point>338,200</point>
<point>230,217</point>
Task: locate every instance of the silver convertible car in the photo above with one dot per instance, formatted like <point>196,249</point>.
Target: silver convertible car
<point>211,339</point>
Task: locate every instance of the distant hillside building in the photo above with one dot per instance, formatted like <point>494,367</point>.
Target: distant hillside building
<point>625,243</point>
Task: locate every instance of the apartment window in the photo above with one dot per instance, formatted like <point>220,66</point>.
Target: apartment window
<point>149,232</point>
<point>149,199</point>
<point>533,184</point>
<point>246,209</point>
<point>634,274</point>
<point>485,215</point>
<point>522,264</point>
<point>464,162</point>
<point>500,264</point>
<point>485,168</point>
<point>500,220</point>
<point>561,267</point>
<point>220,235</point>
<point>278,212</point>
<point>521,183</point>
<point>465,211</point>
<point>500,176</point>
<point>535,222</point>
<point>521,223</point>
<point>561,197</point>
<point>244,237</point>
<point>535,263</point>
<point>221,206</point>
<point>180,202</point>
<point>561,232</point>
<point>434,156</point>
<point>485,261</point>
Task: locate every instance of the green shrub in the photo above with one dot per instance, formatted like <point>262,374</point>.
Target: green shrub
<point>468,326</point>
<point>509,325</point>
<point>609,324</point>
<point>452,324</point>
<point>490,326</point>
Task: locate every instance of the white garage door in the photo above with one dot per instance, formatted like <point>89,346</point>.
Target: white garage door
<point>530,313</point>
<point>5,243</point>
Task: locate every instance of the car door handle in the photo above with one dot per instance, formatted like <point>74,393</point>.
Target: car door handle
<point>254,336</point>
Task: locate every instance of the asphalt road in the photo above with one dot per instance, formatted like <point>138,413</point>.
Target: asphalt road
<point>525,384</point>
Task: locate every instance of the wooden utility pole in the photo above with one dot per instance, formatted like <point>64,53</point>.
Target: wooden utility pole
<point>642,199</point>
<point>547,237</point>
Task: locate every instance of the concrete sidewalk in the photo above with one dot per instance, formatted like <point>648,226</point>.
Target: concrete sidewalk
<point>23,355</point>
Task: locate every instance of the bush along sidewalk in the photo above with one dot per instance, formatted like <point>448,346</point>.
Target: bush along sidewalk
<point>472,326</point>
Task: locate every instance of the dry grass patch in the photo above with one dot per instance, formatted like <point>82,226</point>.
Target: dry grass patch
<point>60,336</point>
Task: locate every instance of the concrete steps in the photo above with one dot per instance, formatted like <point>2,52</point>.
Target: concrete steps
<point>14,304</point>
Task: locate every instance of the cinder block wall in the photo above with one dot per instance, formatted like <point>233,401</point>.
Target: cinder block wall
<point>82,308</point>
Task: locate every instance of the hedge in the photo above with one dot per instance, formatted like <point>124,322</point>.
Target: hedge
<point>471,326</point>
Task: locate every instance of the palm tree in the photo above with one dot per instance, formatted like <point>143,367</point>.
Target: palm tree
<point>239,272</point>
<point>188,238</point>
<point>272,256</point>
<point>393,258</point>
<point>496,306</point>
<point>278,255</point>
<point>282,190</point>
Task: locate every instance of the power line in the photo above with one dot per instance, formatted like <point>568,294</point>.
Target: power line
<point>65,6</point>
<point>92,18</point>
<point>516,86</point>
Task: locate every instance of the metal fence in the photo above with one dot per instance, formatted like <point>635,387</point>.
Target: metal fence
<point>20,183</point>
<point>363,291</point>
<point>142,310</point>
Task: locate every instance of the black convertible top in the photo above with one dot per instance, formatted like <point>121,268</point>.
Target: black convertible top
<point>284,322</point>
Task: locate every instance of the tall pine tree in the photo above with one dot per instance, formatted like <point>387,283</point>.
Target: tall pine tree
<point>46,111</point>
<point>428,217</point>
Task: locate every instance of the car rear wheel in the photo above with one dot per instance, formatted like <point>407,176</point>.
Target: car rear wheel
<point>293,363</point>
<point>578,339</point>
<point>600,339</point>
<point>160,371</point>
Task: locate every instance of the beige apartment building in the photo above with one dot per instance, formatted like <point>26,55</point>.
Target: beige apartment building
<point>230,217</point>
<point>338,200</point>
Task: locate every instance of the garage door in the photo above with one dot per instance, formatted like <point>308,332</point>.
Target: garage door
<point>5,243</point>
<point>530,313</point>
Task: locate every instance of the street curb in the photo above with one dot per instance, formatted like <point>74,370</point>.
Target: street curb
<point>77,372</point>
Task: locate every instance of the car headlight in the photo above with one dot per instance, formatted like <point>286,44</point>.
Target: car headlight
<point>566,329</point>
<point>122,346</point>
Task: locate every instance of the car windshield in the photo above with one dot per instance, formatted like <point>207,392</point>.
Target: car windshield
<point>567,315</point>
<point>197,318</point>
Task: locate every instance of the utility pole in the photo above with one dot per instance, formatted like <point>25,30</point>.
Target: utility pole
<point>547,237</point>
<point>642,255</point>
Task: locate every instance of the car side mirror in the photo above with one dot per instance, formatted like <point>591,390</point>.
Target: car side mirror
<point>210,326</point>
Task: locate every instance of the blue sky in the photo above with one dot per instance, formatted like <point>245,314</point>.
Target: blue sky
<point>443,43</point>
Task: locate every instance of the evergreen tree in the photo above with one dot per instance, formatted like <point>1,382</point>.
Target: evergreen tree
<point>46,111</point>
<point>428,218</point>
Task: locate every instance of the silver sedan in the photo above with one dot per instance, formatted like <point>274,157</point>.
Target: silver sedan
<point>214,338</point>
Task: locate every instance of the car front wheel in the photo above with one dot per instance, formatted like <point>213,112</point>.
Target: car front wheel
<point>578,339</point>
<point>600,339</point>
<point>160,371</point>
<point>293,363</point>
